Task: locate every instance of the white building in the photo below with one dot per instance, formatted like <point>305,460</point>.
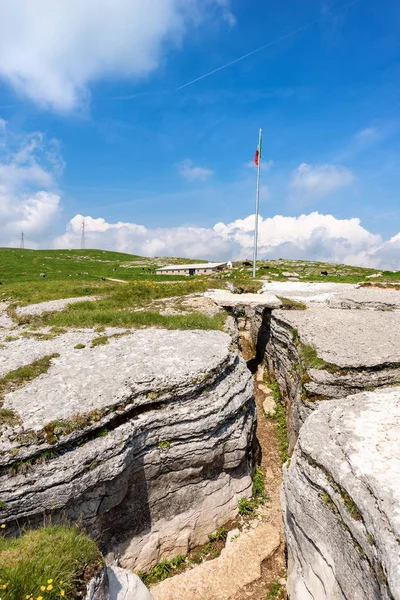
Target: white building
<point>195,269</point>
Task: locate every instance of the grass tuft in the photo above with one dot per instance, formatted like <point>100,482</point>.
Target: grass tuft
<point>102,340</point>
<point>279,416</point>
<point>45,557</point>
<point>246,507</point>
<point>289,304</point>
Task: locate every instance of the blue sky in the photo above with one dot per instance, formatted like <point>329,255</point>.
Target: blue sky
<point>100,88</point>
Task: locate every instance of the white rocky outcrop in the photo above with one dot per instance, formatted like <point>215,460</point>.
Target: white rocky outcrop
<point>147,440</point>
<point>323,353</point>
<point>341,501</point>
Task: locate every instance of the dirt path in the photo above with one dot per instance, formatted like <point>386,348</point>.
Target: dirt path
<point>273,569</point>
<point>253,565</point>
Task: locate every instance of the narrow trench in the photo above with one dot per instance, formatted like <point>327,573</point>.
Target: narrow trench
<point>273,569</point>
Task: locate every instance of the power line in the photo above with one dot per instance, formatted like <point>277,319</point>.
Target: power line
<point>22,245</point>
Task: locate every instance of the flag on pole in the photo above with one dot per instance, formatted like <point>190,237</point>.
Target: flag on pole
<point>257,156</point>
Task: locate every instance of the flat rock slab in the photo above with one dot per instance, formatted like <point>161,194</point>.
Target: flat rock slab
<point>228,299</point>
<point>238,565</point>
<point>348,338</point>
<point>25,350</point>
<point>336,295</point>
<point>341,499</point>
<point>51,305</point>
<point>93,378</point>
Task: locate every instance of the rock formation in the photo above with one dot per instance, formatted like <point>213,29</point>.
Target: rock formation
<point>147,440</point>
<point>341,502</point>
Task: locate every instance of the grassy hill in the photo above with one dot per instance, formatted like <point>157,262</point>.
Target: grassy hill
<point>76,273</point>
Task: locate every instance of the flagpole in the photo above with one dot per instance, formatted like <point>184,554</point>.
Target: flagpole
<point>257,205</point>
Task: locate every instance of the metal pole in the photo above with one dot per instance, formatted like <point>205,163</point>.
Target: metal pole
<point>257,205</point>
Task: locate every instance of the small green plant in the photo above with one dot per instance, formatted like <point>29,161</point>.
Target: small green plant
<point>164,444</point>
<point>100,341</point>
<point>259,493</point>
<point>79,346</point>
<point>295,336</point>
<point>350,505</point>
<point>289,304</point>
<point>246,507</point>
<point>219,536</point>
<point>165,568</point>
<point>279,416</point>
<point>275,590</point>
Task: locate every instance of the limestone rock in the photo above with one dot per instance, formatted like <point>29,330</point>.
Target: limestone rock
<point>115,583</point>
<point>147,440</point>
<point>341,501</point>
<point>361,350</point>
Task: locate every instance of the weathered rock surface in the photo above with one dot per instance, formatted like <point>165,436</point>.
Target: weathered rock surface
<point>355,350</point>
<point>51,305</point>
<point>148,440</point>
<point>115,583</point>
<point>336,295</point>
<point>341,501</point>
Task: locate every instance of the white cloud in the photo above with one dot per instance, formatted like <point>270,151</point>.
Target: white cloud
<point>52,50</point>
<point>189,172</point>
<point>313,236</point>
<point>316,181</point>
<point>29,200</point>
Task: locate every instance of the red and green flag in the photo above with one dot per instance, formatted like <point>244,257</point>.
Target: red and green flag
<point>257,156</point>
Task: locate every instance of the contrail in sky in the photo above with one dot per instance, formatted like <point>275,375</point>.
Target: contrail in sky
<point>272,43</point>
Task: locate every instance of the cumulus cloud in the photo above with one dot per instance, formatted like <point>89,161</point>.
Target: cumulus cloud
<point>190,172</point>
<point>29,201</point>
<point>316,181</point>
<point>313,236</point>
<point>52,50</point>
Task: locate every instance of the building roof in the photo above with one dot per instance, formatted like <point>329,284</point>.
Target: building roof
<point>194,266</point>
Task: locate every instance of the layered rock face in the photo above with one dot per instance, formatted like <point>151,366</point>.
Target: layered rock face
<point>147,440</point>
<point>341,501</point>
<point>324,353</point>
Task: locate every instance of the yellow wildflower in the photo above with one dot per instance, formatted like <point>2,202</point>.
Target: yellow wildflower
<point>49,581</point>
<point>3,526</point>
<point>62,593</point>
<point>49,588</point>
<point>42,588</point>
<point>39,598</point>
<point>61,582</point>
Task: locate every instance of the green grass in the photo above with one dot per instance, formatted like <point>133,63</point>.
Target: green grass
<point>119,307</point>
<point>275,590</point>
<point>17,379</point>
<point>289,304</point>
<point>49,554</point>
<point>259,493</point>
<point>102,340</point>
<point>246,507</point>
<point>279,416</point>
<point>164,569</point>
<point>311,360</point>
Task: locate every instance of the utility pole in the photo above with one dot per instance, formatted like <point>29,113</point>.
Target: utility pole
<point>22,246</point>
<point>83,241</point>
